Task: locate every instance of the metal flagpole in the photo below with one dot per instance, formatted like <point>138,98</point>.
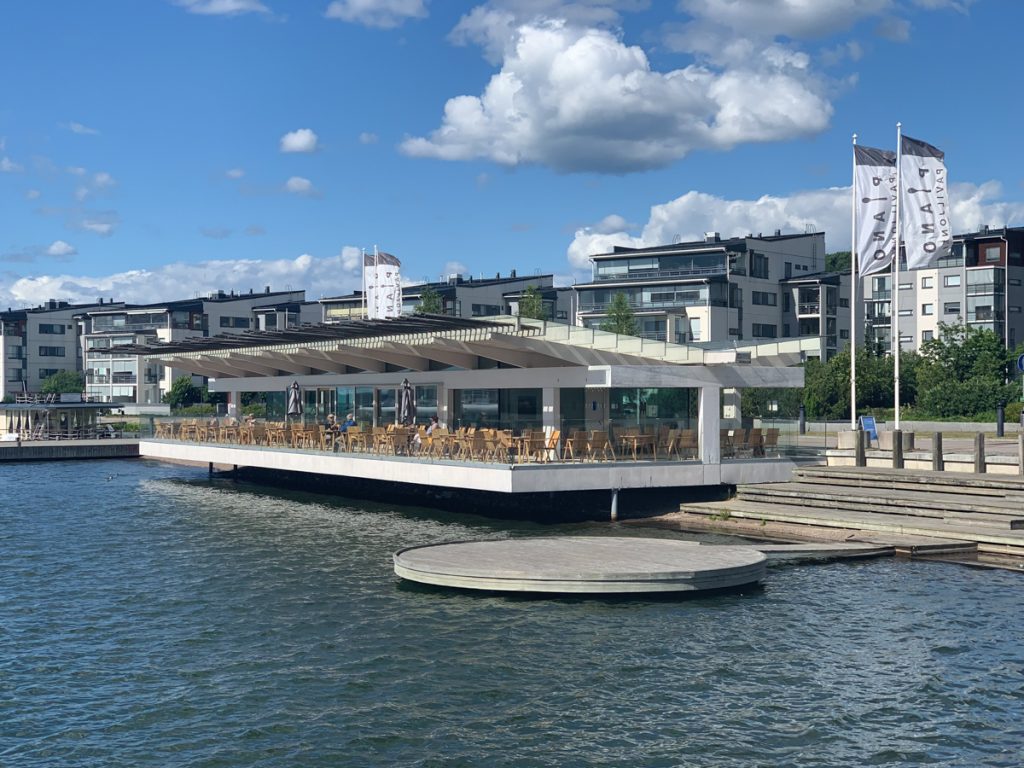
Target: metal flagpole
<point>853,291</point>
<point>895,302</point>
<point>362,258</point>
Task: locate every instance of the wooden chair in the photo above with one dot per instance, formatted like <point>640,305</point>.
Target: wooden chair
<point>686,444</point>
<point>755,442</point>
<point>726,445</point>
<point>551,446</point>
<point>771,442</point>
<point>599,446</point>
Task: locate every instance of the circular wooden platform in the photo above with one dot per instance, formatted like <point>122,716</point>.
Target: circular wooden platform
<point>582,565</point>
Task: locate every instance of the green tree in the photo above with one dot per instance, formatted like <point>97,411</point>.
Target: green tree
<point>430,302</point>
<point>183,393</point>
<point>620,317</point>
<point>837,261</point>
<point>532,304</point>
<point>63,381</point>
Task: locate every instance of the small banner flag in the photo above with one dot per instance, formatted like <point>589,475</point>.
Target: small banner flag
<point>924,203</point>
<point>874,193</point>
<point>383,282</point>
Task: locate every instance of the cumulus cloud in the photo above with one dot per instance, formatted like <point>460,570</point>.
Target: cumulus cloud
<point>579,99</point>
<point>103,180</point>
<point>254,230</point>
<point>320,276</point>
<point>76,170</point>
<point>102,223</point>
<point>234,173</point>
<point>297,185</point>
<point>222,7</point>
<point>688,217</point>
<point>368,138</point>
<point>455,268</point>
<point>33,194</point>
<point>9,166</point>
<point>61,250</point>
<point>383,14</point>
<point>82,130</point>
<point>302,140</point>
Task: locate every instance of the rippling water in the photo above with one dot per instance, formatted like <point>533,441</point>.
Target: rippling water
<point>149,616</point>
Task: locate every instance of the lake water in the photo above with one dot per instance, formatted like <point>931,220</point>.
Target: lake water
<point>151,617</point>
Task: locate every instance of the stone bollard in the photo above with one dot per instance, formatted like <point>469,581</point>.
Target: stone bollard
<point>897,449</point>
<point>1000,418</point>
<point>938,465</point>
<point>979,453</point>
<point>860,456</point>
<point>802,419</point>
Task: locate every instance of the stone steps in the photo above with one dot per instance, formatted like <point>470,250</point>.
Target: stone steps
<point>1008,542</point>
<point>959,483</point>
<point>937,506</point>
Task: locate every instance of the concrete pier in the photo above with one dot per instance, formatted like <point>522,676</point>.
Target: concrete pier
<point>68,450</point>
<point>594,565</point>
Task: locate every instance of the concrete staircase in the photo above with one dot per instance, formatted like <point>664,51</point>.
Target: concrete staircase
<point>914,511</point>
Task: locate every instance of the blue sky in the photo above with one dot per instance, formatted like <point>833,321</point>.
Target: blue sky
<point>156,149</point>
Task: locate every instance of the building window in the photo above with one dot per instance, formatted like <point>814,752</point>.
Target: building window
<point>759,265</point>
<point>906,312</point>
<point>951,281</point>
<point>56,328</point>
<point>483,310</point>
<point>1015,309</point>
<point>844,303</point>
<point>844,334</point>
<point>785,302</point>
<point>951,308</point>
<point>763,331</point>
<point>764,298</point>
<point>1014,281</point>
<point>927,309</point>
<point>45,373</point>
<point>785,331</point>
<point>993,253</point>
<point>51,352</point>
<point>927,335</point>
<point>927,282</point>
<point>233,322</point>
<point>906,339</point>
<point>906,286</point>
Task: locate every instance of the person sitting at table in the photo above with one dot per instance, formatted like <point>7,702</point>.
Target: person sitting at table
<point>250,420</point>
<point>331,425</point>
<point>417,441</point>
<point>350,421</point>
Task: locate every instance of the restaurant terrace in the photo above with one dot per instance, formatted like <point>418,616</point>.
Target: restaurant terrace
<point>522,406</point>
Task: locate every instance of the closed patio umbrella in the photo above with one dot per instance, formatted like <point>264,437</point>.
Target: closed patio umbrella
<point>407,404</point>
<point>294,400</point>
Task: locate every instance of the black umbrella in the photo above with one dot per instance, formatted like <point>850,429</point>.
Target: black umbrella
<point>407,404</point>
<point>294,400</point>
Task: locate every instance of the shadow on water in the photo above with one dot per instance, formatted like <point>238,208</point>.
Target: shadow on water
<point>405,586</point>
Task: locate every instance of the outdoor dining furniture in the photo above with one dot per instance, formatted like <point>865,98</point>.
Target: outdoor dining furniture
<point>639,443</point>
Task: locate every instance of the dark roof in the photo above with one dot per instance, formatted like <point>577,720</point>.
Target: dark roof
<point>198,301</point>
<point>409,291</point>
<point>341,331</point>
<point>989,232</point>
<point>815,277</point>
<point>727,243</point>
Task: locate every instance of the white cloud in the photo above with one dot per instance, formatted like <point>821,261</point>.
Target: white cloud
<point>81,193</point>
<point>9,166</point>
<point>368,138</point>
<point>60,249</point>
<point>102,223</point>
<point>302,140</point>
<point>222,7</point>
<point>255,230</point>
<point>579,99</point>
<point>234,173</point>
<point>688,217</point>
<point>82,130</point>
<point>331,275</point>
<point>103,180</point>
<point>383,14</point>
<point>896,30</point>
<point>75,170</point>
<point>300,186</point>
<point>33,194</point>
<point>455,268</point>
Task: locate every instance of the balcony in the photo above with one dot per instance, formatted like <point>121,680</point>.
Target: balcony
<point>659,274</point>
<point>879,296</point>
<point>981,289</point>
<point>809,309</point>
<point>986,316</point>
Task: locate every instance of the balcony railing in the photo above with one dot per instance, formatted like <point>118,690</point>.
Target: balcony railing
<point>809,309</point>
<point>657,274</point>
<point>640,306</point>
<point>980,289</point>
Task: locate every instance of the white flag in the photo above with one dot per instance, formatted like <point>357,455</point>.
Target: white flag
<point>874,194</point>
<point>383,286</point>
<point>924,204</point>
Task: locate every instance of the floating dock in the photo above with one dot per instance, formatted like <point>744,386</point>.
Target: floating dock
<point>590,565</point>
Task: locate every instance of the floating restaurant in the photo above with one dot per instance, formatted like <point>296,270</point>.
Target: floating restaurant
<point>531,413</point>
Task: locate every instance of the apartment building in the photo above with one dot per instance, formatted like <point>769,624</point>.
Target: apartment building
<point>716,290</point>
<point>116,376</point>
<point>978,284</point>
<point>39,342</point>
<point>463,296</point>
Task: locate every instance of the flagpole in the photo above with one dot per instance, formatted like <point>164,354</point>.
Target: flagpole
<point>362,260</point>
<point>853,291</point>
<point>895,303</point>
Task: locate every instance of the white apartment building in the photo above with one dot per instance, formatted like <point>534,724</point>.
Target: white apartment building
<point>720,290</point>
<point>980,284</point>
<point>117,376</point>
<point>37,343</point>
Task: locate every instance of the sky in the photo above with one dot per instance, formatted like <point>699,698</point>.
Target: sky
<point>153,150</point>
